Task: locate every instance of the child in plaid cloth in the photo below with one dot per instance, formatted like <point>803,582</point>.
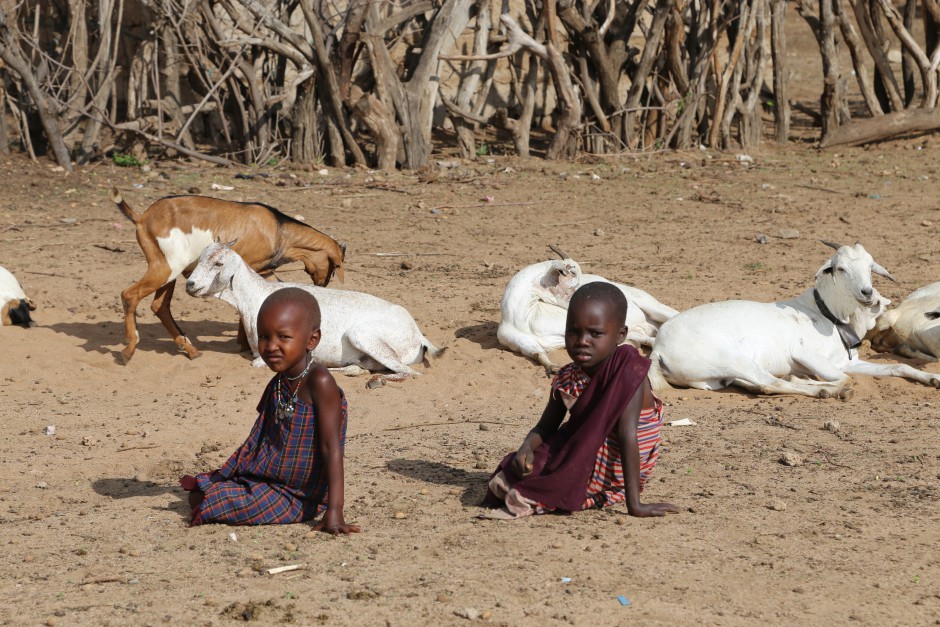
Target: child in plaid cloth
<point>290,469</point>
<point>605,452</point>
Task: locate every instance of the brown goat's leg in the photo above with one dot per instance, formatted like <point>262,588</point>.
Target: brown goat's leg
<point>131,297</point>
<point>243,336</point>
<point>161,307</point>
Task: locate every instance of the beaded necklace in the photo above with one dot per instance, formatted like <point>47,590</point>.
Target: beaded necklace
<point>286,409</point>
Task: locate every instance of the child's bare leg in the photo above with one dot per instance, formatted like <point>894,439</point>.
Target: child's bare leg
<point>195,499</point>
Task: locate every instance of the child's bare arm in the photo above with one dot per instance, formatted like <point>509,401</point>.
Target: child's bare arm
<point>326,398</point>
<point>552,416</point>
<point>630,456</point>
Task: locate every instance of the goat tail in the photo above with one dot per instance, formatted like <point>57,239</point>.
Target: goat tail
<point>432,351</point>
<point>655,375</point>
<point>118,199</point>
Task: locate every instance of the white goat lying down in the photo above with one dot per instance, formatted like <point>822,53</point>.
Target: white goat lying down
<point>359,332</point>
<point>535,306</point>
<point>14,304</point>
<point>754,345</point>
<point>911,329</point>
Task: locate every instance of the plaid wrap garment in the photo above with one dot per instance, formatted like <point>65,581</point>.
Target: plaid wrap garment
<point>277,476</point>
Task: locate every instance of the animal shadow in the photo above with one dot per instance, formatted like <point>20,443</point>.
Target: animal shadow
<point>483,334</point>
<point>99,336</point>
<point>474,483</point>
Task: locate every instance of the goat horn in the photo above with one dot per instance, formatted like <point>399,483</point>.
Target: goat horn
<point>878,269</point>
<point>558,251</point>
<point>830,244</point>
<point>232,243</point>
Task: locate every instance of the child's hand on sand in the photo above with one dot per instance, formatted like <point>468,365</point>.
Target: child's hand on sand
<point>650,510</point>
<point>333,523</point>
<point>523,462</point>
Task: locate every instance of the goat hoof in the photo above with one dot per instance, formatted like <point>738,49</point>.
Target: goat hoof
<point>846,394</point>
<point>823,393</point>
<point>191,351</point>
<point>126,356</point>
<point>375,382</point>
<point>935,382</point>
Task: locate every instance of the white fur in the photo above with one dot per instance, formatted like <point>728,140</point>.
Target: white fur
<point>932,290</point>
<point>182,249</point>
<point>755,345</point>
<point>14,304</point>
<point>357,330</point>
<point>534,309</point>
<point>912,329</point>
<point>10,289</point>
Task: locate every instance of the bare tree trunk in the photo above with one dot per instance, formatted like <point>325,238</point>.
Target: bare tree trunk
<point>78,36</point>
<point>778,43</point>
<point>420,92</point>
<point>381,121</point>
<point>927,68</point>
<point>105,73</point>
<point>907,58</point>
<point>305,139</point>
<point>466,138</point>
<point>4,124</point>
<point>883,127</point>
<point>562,145</point>
<point>855,50</point>
<point>11,57</point>
<point>654,38</point>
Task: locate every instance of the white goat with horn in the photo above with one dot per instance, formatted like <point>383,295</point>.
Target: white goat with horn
<point>535,306</point>
<point>756,345</point>
<point>359,331</point>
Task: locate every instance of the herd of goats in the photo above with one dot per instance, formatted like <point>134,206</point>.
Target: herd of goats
<point>805,345</point>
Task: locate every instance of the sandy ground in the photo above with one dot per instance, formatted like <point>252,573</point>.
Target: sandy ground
<point>93,523</point>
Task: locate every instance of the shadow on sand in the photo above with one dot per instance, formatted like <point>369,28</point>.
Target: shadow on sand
<point>118,488</point>
<point>483,334</point>
<point>474,483</point>
<point>99,336</point>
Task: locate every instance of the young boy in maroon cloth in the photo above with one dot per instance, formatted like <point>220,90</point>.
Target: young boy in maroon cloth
<point>605,452</point>
<point>290,469</point>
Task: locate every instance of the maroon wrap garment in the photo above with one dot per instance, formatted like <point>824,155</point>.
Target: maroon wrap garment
<point>563,463</point>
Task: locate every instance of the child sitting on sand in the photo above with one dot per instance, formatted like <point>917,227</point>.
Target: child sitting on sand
<point>290,469</point>
<point>605,452</point>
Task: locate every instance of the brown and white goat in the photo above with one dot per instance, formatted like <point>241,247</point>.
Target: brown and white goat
<point>174,230</point>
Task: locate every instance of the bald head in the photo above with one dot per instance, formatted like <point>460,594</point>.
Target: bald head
<point>300,301</point>
<point>600,292</point>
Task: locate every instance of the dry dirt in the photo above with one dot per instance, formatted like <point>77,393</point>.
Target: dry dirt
<point>93,525</point>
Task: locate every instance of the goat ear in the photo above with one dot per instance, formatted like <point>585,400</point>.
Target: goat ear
<point>830,244</point>
<point>877,269</point>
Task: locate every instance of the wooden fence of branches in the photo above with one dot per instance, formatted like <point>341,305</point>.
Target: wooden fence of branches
<point>381,84</point>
